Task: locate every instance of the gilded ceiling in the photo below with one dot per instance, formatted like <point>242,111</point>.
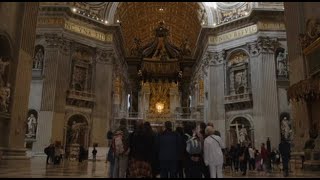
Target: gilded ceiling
<point>139,20</point>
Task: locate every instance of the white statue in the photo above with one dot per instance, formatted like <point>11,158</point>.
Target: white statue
<point>76,128</point>
<point>282,67</point>
<point>32,122</point>
<point>242,134</point>
<point>285,128</point>
<point>38,59</point>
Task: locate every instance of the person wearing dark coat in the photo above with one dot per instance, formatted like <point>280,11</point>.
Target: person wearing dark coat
<point>285,150</point>
<point>243,159</point>
<point>168,145</point>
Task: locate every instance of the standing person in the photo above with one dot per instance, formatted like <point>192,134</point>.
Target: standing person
<point>49,151</point>
<point>231,155</point>
<point>213,155</point>
<point>94,153</point>
<point>285,150</point>
<point>120,145</point>
<point>57,154</point>
<point>179,131</point>
<point>236,156</point>
<point>251,157</point>
<point>204,169</point>
<point>243,159</point>
<point>81,153</point>
<point>141,153</point>
<point>264,156</point>
<point>168,145</point>
<point>193,151</point>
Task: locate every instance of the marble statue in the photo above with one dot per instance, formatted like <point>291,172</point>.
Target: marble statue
<point>242,134</point>
<point>285,128</point>
<point>282,67</point>
<point>75,131</point>
<point>32,122</point>
<point>38,59</point>
<point>5,98</point>
<point>3,65</point>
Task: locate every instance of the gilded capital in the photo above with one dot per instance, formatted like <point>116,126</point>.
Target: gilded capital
<point>104,56</point>
<point>55,41</point>
<point>218,58</point>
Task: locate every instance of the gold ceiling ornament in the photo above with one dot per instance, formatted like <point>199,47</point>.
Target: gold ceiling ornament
<point>139,19</point>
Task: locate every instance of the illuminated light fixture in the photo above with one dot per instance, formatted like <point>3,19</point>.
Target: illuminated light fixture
<point>211,4</point>
<point>159,107</point>
<point>118,21</point>
<point>245,13</point>
<point>214,24</point>
<point>74,9</point>
<point>161,9</point>
<point>106,22</point>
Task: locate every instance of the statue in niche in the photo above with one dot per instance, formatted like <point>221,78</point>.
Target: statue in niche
<point>32,124</point>
<point>3,65</point>
<point>242,134</point>
<point>38,59</point>
<point>282,65</point>
<point>75,131</point>
<point>285,128</point>
<point>5,94</point>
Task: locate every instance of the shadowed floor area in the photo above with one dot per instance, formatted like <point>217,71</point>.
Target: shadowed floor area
<point>36,168</point>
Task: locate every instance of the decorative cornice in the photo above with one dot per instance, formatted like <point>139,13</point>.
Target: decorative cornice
<point>104,56</point>
<point>263,45</point>
<point>218,58</point>
<point>55,41</point>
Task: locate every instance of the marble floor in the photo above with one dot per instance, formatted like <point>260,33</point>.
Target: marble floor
<point>36,168</point>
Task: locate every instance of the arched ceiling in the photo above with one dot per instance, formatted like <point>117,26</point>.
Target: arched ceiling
<point>140,19</point>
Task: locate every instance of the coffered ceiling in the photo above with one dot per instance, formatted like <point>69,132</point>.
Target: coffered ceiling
<point>140,19</point>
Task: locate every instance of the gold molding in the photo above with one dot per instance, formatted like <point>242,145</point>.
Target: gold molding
<point>213,40</point>
<point>73,27</point>
<point>246,31</point>
<point>271,26</point>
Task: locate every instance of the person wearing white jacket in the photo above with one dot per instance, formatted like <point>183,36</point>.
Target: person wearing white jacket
<point>213,155</point>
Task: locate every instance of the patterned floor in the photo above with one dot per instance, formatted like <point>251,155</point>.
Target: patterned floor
<point>36,168</point>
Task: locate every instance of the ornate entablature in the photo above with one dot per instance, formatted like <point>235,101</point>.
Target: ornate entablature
<point>238,87</point>
<point>79,93</point>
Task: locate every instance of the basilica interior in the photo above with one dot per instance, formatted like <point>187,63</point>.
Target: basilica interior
<point>246,67</point>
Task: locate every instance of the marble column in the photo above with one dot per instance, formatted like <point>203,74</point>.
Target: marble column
<point>216,110</point>
<point>57,59</point>
<point>24,29</point>
<point>264,86</point>
<point>295,23</point>
<point>102,111</point>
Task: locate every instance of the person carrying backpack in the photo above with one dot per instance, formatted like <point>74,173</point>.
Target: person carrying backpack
<point>193,151</point>
<point>120,147</point>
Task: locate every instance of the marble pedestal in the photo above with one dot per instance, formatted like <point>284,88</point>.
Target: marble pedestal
<point>74,150</point>
<point>13,154</point>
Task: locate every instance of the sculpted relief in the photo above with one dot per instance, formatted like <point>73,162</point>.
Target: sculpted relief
<point>237,67</point>
<point>5,90</point>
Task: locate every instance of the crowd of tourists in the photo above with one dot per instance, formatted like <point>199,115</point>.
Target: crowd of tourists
<point>190,151</point>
